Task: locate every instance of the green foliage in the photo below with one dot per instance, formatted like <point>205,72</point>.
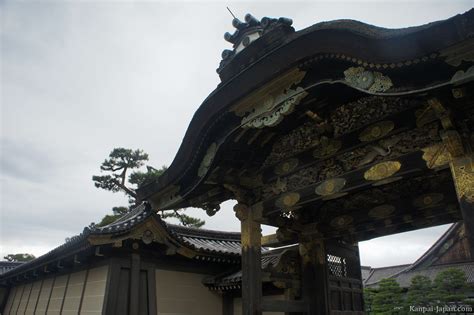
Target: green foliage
<point>419,292</point>
<point>184,219</point>
<point>120,161</point>
<point>450,285</point>
<point>108,219</point>
<point>369,295</point>
<point>19,257</point>
<point>117,167</point>
<point>388,298</point>
<point>139,178</point>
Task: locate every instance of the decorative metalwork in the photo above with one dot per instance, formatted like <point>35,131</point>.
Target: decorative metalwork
<point>463,173</point>
<point>428,200</point>
<point>342,221</point>
<point>381,212</point>
<point>273,109</point>
<point>382,170</point>
<point>286,167</point>
<point>330,186</point>
<point>356,114</point>
<point>288,200</point>
<point>376,131</point>
<point>207,159</point>
<point>436,155</point>
<point>374,82</point>
<point>462,76</point>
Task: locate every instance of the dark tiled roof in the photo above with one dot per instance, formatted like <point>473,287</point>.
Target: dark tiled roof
<point>9,265</point>
<point>127,221</point>
<point>203,241</point>
<point>453,229</point>
<point>76,244</point>
<point>270,258</point>
<point>423,266</point>
<point>404,278</point>
<point>377,274</point>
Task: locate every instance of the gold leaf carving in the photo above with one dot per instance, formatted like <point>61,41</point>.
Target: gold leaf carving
<point>373,82</point>
<point>288,200</point>
<point>382,170</point>
<point>330,186</point>
<point>428,200</point>
<point>436,155</point>
<point>463,173</point>
<point>376,131</point>
<point>341,221</point>
<point>286,167</point>
<point>381,212</point>
<point>271,112</point>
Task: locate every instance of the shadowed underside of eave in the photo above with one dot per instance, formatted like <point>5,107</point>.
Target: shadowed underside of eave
<point>313,121</point>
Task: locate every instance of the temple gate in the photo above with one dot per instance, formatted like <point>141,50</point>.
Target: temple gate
<point>335,134</point>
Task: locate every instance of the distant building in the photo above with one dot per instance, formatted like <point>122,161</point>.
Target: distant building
<point>450,251</point>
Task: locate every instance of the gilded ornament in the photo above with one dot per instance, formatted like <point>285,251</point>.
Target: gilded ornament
<point>376,131</point>
<point>428,200</point>
<point>330,186</point>
<point>436,155</point>
<point>381,212</point>
<point>463,76</point>
<point>207,159</point>
<point>382,170</point>
<point>453,142</point>
<point>374,82</point>
<point>273,109</point>
<point>286,167</point>
<point>341,221</point>
<point>327,147</point>
<point>288,200</point>
<point>463,173</point>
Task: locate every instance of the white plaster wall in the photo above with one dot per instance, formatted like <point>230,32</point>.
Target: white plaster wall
<point>182,293</point>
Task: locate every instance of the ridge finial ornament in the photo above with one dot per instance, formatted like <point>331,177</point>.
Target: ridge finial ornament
<point>248,31</point>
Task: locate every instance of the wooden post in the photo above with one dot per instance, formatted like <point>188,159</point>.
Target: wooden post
<point>251,235</point>
<point>315,285</point>
<point>135,284</point>
<point>462,170</point>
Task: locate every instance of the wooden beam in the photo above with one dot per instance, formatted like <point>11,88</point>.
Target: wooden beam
<point>284,306</point>
<point>251,236</point>
<point>462,170</point>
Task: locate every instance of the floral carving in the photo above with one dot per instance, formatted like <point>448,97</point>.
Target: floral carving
<point>272,110</point>
<point>373,82</point>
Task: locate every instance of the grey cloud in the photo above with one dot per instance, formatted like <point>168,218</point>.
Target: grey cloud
<point>80,78</point>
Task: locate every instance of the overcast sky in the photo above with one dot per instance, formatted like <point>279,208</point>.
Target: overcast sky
<point>80,78</point>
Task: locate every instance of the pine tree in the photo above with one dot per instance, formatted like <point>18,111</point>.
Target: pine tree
<point>450,286</point>
<point>117,167</point>
<point>420,292</point>
<point>369,295</point>
<point>388,299</point>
